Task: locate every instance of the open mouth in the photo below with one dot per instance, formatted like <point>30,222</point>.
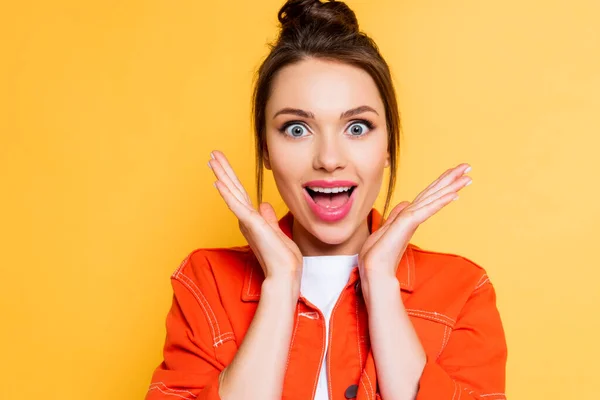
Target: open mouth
<point>330,198</point>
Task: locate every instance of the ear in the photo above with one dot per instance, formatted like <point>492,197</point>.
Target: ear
<point>387,160</point>
<point>266,160</point>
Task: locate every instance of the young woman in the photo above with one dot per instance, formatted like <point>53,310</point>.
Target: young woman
<point>331,301</point>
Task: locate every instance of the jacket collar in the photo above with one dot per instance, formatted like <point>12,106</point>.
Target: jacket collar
<point>253,275</point>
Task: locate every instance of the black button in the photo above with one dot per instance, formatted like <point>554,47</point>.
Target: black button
<point>351,392</point>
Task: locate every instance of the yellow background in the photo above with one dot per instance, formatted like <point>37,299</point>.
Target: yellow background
<point>108,111</point>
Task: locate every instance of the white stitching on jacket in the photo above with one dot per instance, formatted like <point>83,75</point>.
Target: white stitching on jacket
<point>370,385</point>
<point>432,316</point>
<point>154,385</point>
<point>224,334</point>
<point>320,363</point>
<point>487,279</point>
<point>223,338</point>
<point>292,343</point>
<point>445,339</point>
<point>212,328</point>
<point>309,314</point>
<point>174,275</point>
<point>197,289</point>
<point>250,282</point>
<point>331,319</point>
<point>434,313</point>
<point>358,336</point>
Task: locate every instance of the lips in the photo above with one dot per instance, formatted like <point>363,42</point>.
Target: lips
<point>330,201</point>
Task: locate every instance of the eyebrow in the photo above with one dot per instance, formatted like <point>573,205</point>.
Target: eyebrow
<point>309,115</point>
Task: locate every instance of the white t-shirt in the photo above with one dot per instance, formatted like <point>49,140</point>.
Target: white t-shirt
<point>323,278</point>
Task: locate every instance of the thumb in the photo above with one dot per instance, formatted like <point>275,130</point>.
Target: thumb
<point>268,213</point>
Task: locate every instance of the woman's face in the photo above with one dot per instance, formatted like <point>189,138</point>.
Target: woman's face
<point>326,145</point>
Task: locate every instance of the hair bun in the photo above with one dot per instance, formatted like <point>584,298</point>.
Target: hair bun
<point>300,13</point>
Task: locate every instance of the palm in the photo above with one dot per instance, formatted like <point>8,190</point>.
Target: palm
<point>375,240</point>
<point>384,247</point>
<point>260,227</point>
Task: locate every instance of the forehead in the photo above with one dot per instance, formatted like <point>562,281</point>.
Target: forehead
<point>323,86</point>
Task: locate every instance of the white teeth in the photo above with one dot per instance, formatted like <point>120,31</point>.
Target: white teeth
<point>330,190</point>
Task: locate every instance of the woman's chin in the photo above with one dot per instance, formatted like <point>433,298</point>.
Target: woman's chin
<point>332,235</point>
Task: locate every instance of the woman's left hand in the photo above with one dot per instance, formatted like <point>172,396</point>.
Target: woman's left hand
<point>383,249</point>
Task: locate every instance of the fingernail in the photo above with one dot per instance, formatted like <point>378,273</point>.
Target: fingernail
<point>212,155</point>
<point>454,199</point>
<point>468,183</point>
<point>468,169</point>
<point>209,165</point>
<point>215,185</point>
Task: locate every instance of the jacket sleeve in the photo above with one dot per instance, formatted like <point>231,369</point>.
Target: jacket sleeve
<point>191,364</point>
<point>473,363</point>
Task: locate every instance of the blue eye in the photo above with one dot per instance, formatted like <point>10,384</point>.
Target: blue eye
<point>360,128</point>
<point>296,130</point>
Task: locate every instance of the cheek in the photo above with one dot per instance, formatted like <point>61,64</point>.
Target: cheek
<point>372,177</point>
<point>370,158</point>
<point>374,171</point>
<point>370,164</point>
<point>284,171</point>
<point>286,162</point>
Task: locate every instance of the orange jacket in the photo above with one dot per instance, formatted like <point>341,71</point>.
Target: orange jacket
<point>449,299</point>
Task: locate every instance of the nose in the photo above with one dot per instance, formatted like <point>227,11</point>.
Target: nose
<point>328,154</point>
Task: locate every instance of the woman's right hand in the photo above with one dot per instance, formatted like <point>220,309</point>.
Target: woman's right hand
<point>277,254</point>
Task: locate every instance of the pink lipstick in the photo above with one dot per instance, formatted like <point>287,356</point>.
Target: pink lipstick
<point>330,201</point>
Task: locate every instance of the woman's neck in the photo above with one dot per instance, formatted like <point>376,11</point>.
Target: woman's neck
<point>309,245</point>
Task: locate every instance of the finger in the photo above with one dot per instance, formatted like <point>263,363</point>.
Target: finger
<point>405,226</point>
<point>395,212</point>
<point>222,176</point>
<point>398,231</point>
<point>444,180</point>
<point>219,156</point>
<point>432,184</point>
<point>425,211</point>
<point>454,187</point>
<point>241,210</point>
<point>389,221</point>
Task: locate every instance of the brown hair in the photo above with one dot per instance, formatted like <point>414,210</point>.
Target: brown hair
<point>311,29</point>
